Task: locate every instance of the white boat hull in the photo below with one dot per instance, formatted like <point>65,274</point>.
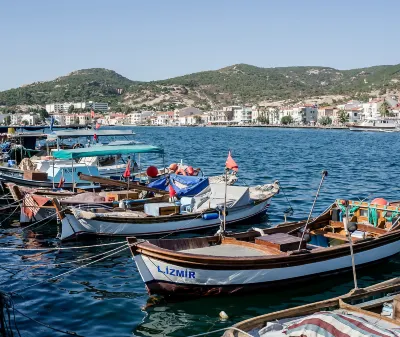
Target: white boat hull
<point>162,277</point>
<point>72,226</point>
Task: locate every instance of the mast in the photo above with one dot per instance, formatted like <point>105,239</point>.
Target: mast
<point>226,192</point>
<point>324,174</point>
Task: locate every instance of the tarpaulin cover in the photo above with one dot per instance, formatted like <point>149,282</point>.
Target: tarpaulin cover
<point>106,150</point>
<point>183,185</point>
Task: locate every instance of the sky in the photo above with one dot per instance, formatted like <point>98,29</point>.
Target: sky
<point>158,39</point>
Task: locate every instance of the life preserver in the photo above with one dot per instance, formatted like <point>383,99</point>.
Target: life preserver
<point>78,146</point>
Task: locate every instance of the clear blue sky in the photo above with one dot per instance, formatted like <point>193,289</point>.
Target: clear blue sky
<point>149,40</point>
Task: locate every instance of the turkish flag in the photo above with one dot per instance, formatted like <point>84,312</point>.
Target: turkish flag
<point>172,192</point>
<point>97,126</point>
<point>230,163</point>
<point>92,113</point>
<point>127,172</point>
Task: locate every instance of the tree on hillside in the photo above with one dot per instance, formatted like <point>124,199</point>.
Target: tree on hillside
<point>7,120</point>
<point>285,120</point>
<point>384,109</point>
<point>326,120</point>
<point>343,117</point>
<point>71,109</point>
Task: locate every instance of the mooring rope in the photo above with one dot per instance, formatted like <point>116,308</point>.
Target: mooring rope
<point>115,251</point>
<point>56,264</point>
<point>6,219</point>
<point>46,325</point>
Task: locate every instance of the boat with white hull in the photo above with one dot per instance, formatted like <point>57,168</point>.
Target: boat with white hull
<point>270,258</point>
<point>377,124</point>
<point>200,212</point>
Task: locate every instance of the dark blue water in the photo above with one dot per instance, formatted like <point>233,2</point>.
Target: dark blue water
<point>106,298</point>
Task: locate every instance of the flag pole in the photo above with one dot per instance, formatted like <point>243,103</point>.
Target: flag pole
<point>129,177</point>
<point>226,191</point>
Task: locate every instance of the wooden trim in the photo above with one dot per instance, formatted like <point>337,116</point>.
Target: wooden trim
<point>260,321</point>
<point>332,235</point>
<point>260,262</point>
<point>349,307</point>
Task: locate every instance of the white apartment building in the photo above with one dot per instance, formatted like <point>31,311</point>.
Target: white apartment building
<point>19,119</point>
<point>60,118</point>
<point>16,119</point>
<point>194,119</point>
<point>371,109</point>
<point>220,116</point>
<point>63,107</point>
<point>241,115</point>
<point>139,117</point>
<point>165,118</point>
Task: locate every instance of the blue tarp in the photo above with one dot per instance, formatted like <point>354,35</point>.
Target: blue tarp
<point>185,186</point>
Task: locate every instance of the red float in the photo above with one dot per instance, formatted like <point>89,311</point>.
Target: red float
<point>152,171</point>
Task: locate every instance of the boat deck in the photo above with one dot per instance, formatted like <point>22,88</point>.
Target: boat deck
<point>226,250</point>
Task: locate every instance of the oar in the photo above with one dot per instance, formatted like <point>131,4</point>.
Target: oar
<point>324,174</point>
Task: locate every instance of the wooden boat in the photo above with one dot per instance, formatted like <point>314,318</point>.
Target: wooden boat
<point>371,311</point>
<point>38,203</point>
<point>268,258</point>
<point>192,213</point>
<point>69,170</point>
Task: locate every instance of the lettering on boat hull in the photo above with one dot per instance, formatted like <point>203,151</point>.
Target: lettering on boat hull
<point>176,272</point>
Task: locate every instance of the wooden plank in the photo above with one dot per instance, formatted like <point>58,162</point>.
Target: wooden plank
<point>360,226</point>
<point>349,307</point>
<point>332,235</point>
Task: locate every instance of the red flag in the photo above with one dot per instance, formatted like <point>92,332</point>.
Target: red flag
<point>172,192</point>
<point>92,113</point>
<point>95,137</point>
<point>127,172</point>
<point>61,182</point>
<point>97,126</point>
<point>230,163</point>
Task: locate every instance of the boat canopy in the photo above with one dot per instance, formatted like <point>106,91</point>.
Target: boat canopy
<point>90,133</point>
<point>108,150</point>
<point>184,186</point>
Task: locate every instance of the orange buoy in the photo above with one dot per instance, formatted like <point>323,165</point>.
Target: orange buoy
<point>152,171</point>
<point>173,167</point>
<point>380,201</point>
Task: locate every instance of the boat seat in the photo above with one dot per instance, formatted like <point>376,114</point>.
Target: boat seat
<point>281,241</point>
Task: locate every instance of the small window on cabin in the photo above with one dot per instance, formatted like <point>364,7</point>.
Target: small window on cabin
<point>364,212</point>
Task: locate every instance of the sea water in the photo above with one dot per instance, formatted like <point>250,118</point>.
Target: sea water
<point>107,298</point>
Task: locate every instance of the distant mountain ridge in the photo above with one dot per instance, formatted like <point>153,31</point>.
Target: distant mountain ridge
<point>236,84</point>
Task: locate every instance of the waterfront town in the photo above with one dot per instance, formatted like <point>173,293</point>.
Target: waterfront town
<point>84,113</point>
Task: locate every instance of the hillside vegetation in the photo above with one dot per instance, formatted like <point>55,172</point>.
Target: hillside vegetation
<point>95,84</point>
<point>237,84</point>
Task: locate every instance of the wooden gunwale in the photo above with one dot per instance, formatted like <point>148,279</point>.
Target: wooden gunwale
<point>260,321</point>
<point>260,262</point>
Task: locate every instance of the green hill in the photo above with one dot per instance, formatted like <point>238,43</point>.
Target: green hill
<point>235,84</point>
<point>95,84</point>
